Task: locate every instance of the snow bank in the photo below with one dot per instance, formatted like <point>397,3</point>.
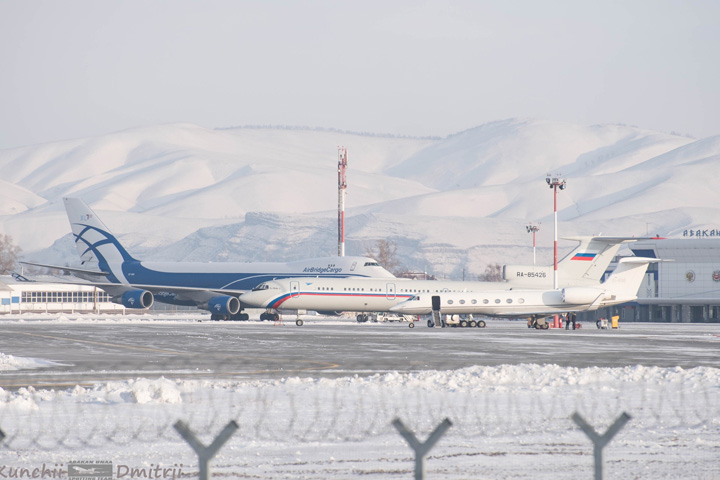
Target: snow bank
<point>10,362</point>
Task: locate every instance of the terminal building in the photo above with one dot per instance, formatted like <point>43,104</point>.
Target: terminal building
<point>684,287</point>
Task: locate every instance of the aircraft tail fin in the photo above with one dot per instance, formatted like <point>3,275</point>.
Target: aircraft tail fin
<point>94,241</point>
<point>591,258</point>
<point>625,280</point>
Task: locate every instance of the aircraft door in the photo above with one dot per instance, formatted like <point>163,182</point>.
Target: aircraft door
<point>390,291</point>
<point>294,289</point>
<point>437,320</point>
<point>436,302</point>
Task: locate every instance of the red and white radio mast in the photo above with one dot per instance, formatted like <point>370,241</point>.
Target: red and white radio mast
<point>342,187</point>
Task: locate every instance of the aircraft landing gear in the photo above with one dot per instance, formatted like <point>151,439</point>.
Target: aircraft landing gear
<point>538,323</point>
<point>272,316</point>
<point>299,322</point>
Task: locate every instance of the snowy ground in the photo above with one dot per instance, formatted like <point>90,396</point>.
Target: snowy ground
<point>509,421</point>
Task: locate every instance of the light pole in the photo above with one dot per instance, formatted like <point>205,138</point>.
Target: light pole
<point>554,182</point>
<point>532,228</point>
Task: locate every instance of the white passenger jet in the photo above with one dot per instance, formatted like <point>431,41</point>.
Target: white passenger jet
<point>620,287</point>
<point>380,295</point>
<point>211,286</point>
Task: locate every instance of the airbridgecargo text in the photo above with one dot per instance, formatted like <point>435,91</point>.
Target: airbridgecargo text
<point>328,269</point>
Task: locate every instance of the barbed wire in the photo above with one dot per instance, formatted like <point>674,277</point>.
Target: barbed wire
<point>347,409</point>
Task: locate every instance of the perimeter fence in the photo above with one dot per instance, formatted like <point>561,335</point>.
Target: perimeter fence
<point>502,418</point>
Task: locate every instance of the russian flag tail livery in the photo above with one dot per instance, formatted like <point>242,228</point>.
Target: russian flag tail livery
<point>590,259</point>
<point>94,242</point>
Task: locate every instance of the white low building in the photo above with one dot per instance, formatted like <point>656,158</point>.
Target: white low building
<point>37,297</point>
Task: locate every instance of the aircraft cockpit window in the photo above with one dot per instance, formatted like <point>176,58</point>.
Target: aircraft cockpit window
<point>372,264</point>
<point>262,286</point>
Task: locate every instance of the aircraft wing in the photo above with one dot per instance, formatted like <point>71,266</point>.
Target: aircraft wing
<point>133,286</point>
<point>175,289</point>
<point>83,271</point>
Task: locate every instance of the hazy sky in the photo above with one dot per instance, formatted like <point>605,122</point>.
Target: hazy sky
<point>73,69</point>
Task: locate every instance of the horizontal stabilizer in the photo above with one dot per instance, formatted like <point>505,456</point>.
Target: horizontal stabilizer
<point>611,239</point>
<point>642,260</point>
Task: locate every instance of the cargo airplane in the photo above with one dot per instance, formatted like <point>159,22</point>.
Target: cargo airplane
<point>583,267</point>
<point>211,286</point>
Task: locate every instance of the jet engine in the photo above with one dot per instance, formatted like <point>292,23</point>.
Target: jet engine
<point>137,299</point>
<point>224,305</point>
<point>581,295</point>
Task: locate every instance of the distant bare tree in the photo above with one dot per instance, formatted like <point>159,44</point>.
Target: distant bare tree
<point>385,252</point>
<point>493,273</point>
<point>8,254</point>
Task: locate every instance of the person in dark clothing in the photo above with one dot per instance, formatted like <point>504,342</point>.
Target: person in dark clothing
<point>567,321</point>
<point>573,319</point>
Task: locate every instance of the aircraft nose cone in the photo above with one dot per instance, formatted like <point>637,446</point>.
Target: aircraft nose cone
<point>398,308</point>
<point>251,298</point>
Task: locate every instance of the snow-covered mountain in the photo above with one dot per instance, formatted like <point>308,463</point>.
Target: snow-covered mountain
<point>181,191</point>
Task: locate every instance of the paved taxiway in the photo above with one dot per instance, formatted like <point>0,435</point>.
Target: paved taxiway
<point>88,352</point>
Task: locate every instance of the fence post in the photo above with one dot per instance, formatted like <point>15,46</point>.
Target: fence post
<point>205,454</point>
<point>421,449</point>
<point>599,441</point>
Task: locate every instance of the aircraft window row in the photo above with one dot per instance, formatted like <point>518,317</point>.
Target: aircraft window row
<point>360,289</point>
<point>485,301</point>
<point>64,297</point>
<point>372,264</point>
<point>415,290</point>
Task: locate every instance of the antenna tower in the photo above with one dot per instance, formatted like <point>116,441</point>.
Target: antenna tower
<point>342,188</point>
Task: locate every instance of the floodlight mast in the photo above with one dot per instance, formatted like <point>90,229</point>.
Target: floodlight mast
<point>342,188</point>
<point>555,182</point>
<point>532,229</point>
